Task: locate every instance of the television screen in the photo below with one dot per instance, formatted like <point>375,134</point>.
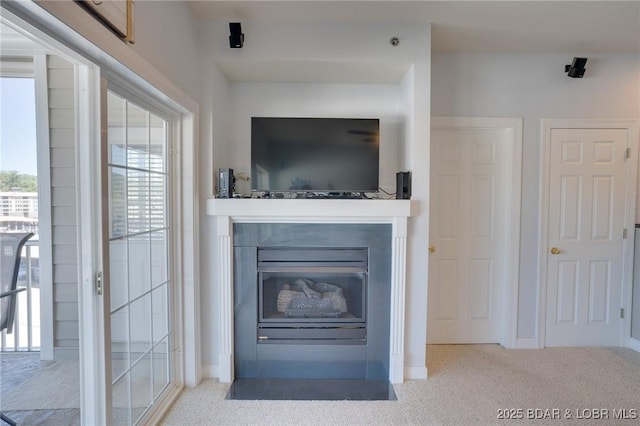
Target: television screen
<point>314,154</point>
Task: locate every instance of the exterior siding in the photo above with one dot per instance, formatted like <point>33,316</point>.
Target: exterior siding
<point>60,77</point>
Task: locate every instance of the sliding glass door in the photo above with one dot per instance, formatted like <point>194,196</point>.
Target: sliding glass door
<point>138,285</point>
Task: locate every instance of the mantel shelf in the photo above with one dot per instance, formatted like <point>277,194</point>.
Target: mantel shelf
<point>311,210</point>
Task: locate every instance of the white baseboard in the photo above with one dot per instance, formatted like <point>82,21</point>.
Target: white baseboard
<point>210,371</point>
<point>528,343</point>
<point>634,344</point>
<point>415,373</point>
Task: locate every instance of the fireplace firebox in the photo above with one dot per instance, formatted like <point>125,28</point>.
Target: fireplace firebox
<point>312,295</point>
<point>311,300</point>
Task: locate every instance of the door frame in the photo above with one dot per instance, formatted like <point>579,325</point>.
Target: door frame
<point>93,49</point>
<point>85,72</point>
<point>514,201</point>
<point>132,94</point>
<point>37,70</point>
<point>547,125</point>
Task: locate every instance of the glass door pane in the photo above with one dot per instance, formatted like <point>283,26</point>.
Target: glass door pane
<point>139,286</point>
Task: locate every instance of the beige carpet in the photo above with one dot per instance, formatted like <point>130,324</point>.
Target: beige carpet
<point>467,385</point>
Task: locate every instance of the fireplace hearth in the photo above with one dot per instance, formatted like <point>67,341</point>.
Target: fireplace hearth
<point>312,390</point>
<point>312,311</point>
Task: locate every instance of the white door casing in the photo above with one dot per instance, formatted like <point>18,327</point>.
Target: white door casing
<point>475,187</point>
<point>586,222</point>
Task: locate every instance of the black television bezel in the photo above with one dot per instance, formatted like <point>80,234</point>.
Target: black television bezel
<point>317,191</point>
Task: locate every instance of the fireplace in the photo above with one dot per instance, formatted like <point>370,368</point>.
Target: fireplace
<point>392,214</point>
<point>311,300</point>
<point>312,295</point>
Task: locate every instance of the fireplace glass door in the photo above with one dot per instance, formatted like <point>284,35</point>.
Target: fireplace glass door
<point>312,295</point>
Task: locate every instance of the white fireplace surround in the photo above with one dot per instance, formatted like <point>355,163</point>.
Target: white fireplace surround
<point>394,212</point>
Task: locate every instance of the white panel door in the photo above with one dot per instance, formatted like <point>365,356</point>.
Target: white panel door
<point>586,221</point>
<point>468,235</point>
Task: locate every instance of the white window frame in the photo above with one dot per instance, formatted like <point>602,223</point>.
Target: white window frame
<point>121,88</point>
<point>80,46</point>
<point>35,66</point>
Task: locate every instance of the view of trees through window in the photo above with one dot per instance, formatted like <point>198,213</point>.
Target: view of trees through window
<point>14,181</point>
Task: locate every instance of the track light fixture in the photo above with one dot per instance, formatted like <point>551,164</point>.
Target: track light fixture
<point>576,69</point>
<point>236,38</point>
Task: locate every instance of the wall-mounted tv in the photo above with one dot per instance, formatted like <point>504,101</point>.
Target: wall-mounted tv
<point>315,154</point>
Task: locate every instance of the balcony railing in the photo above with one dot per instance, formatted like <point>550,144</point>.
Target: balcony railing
<point>26,327</point>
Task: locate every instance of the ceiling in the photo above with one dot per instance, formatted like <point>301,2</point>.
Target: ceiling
<point>571,26</point>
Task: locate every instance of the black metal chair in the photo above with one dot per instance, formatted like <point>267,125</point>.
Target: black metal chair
<point>10,248</point>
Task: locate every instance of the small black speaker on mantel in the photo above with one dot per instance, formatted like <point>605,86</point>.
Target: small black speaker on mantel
<point>403,185</point>
<point>236,38</point>
<point>226,183</point>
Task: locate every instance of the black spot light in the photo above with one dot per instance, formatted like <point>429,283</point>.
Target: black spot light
<point>236,38</point>
<point>576,69</point>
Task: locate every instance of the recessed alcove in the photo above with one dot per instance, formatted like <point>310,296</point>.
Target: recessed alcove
<point>315,70</point>
<point>357,75</point>
<point>380,101</point>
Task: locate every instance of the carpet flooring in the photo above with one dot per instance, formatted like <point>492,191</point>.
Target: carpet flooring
<point>467,385</point>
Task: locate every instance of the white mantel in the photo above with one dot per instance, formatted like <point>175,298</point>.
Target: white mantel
<point>311,210</point>
<point>394,212</point>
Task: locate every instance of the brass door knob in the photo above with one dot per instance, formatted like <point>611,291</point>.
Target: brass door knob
<point>555,250</point>
<point>432,249</point>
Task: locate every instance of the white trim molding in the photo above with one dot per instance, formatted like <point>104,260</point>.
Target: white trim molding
<point>395,212</point>
<point>210,371</point>
<point>415,373</point>
<point>528,343</point>
<point>45,211</point>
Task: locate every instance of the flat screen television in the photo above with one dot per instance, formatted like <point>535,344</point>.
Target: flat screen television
<point>335,155</point>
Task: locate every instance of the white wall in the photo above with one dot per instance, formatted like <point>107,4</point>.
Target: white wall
<point>512,85</point>
<point>317,100</point>
<point>165,36</point>
<point>165,41</point>
<point>327,50</point>
<point>533,86</point>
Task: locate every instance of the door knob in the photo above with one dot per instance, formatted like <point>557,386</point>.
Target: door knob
<point>432,249</point>
<point>555,250</point>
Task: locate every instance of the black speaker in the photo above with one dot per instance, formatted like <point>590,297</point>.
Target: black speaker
<point>226,183</point>
<point>576,69</point>
<point>403,185</point>
<point>236,39</point>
